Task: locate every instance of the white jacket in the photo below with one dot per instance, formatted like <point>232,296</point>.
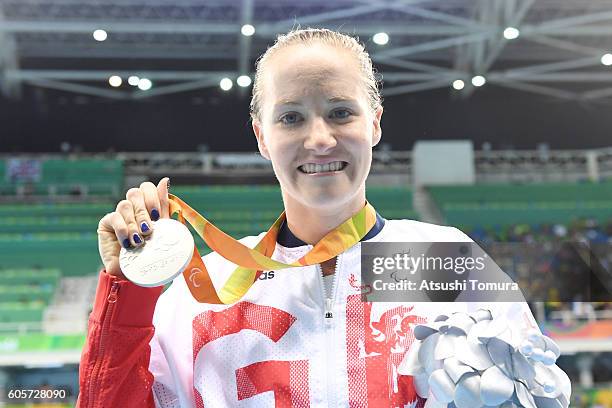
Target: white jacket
<point>276,348</point>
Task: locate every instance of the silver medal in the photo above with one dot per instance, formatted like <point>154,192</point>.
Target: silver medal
<point>165,254</point>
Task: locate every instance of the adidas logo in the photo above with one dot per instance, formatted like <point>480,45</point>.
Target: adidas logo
<point>266,275</point>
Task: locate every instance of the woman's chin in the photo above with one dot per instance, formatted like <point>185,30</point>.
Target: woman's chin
<point>328,197</point>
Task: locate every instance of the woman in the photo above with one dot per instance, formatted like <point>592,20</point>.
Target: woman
<point>300,337</point>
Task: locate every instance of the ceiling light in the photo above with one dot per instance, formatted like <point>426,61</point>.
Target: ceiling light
<point>247,30</point>
<point>510,33</point>
<point>243,80</point>
<point>478,80</point>
<point>115,81</point>
<point>458,84</point>
<point>100,35</point>
<point>144,84</point>
<point>380,38</point>
<point>133,80</point>
<point>226,84</point>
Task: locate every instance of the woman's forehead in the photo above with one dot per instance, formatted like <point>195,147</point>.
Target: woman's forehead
<point>311,71</point>
<point>329,86</point>
<point>314,62</point>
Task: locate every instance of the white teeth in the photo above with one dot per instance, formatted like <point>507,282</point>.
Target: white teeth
<point>320,168</point>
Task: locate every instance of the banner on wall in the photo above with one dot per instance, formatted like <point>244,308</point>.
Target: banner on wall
<point>23,170</point>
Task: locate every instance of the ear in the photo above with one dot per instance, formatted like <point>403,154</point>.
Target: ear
<point>376,129</point>
<point>261,144</point>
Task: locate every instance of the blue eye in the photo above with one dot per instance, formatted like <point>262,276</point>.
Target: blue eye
<point>348,113</point>
<point>289,118</point>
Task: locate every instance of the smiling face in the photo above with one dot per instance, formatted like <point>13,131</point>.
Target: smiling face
<point>316,125</point>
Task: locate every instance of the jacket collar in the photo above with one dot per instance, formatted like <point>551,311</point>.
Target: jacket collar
<point>288,240</point>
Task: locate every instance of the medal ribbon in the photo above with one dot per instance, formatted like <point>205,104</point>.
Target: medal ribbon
<point>253,261</point>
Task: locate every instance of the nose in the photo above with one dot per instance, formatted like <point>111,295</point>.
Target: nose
<point>320,137</point>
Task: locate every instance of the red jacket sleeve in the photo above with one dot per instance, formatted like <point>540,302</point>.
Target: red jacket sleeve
<point>114,368</point>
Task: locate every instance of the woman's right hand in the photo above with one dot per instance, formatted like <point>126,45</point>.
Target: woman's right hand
<point>130,223</point>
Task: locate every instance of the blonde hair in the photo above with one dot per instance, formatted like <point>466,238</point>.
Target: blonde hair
<point>308,36</point>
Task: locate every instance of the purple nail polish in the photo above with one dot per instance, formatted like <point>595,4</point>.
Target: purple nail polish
<point>137,239</point>
<point>155,214</point>
<point>144,227</point>
<point>126,243</point>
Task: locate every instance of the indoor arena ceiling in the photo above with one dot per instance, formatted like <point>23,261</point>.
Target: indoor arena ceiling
<point>189,45</point>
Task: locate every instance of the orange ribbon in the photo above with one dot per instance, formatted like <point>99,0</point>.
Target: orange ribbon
<point>253,261</point>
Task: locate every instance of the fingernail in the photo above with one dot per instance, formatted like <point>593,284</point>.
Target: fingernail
<point>126,243</point>
<point>144,227</point>
<point>137,239</point>
<point>155,214</point>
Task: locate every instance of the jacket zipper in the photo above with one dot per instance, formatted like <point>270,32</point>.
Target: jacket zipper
<point>328,323</point>
<point>111,299</point>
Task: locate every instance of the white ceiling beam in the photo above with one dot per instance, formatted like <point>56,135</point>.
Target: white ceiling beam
<point>417,66</point>
<point>182,76</point>
<point>105,51</point>
<point>417,87</point>
<point>479,36</point>
<point>369,29</point>
<point>9,60</point>
<point>583,31</point>
<point>538,89</point>
<point>554,66</point>
<point>176,88</point>
<point>574,77</point>
<point>99,75</point>
<point>508,9</point>
<point>244,42</point>
<point>465,55</point>
<point>263,30</point>
<point>497,43</point>
<point>471,55</point>
<point>78,88</point>
<point>601,16</point>
<point>565,45</point>
<point>490,14</point>
<point>596,94</point>
<point>435,15</point>
<point>44,26</point>
<point>554,26</point>
<point>431,45</point>
<point>280,26</point>
<point>413,76</point>
<point>198,53</point>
